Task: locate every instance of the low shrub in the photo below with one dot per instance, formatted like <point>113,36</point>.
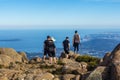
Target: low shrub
<point>91,61</point>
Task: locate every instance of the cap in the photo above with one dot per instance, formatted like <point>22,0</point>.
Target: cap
<point>52,38</point>
<point>48,36</point>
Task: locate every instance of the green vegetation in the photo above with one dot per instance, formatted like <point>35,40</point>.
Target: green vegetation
<point>58,71</point>
<point>91,61</point>
<point>47,66</point>
<point>59,62</point>
<point>1,66</point>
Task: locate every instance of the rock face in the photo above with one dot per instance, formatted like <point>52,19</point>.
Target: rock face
<point>100,73</point>
<point>24,57</point>
<point>115,69</point>
<point>106,60</point>
<point>16,66</point>
<point>11,53</point>
<point>46,76</point>
<point>8,74</point>
<point>111,66</point>
<point>35,60</point>
<point>71,55</point>
<point>73,67</point>
<point>8,55</point>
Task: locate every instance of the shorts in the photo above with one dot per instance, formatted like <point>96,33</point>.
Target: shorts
<point>45,52</point>
<point>66,51</point>
<point>51,54</point>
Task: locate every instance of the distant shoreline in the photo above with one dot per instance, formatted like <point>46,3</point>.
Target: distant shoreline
<point>9,40</point>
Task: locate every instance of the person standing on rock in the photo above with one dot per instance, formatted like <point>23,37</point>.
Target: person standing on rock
<point>50,49</point>
<point>66,46</point>
<point>76,41</point>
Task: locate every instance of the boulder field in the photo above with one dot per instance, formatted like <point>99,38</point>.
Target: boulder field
<point>16,66</point>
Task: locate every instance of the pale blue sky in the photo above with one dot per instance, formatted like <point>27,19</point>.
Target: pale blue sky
<point>30,14</point>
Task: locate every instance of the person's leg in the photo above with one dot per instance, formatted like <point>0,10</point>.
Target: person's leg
<point>50,57</point>
<point>77,47</point>
<point>66,52</point>
<point>54,57</point>
<point>44,56</point>
<point>74,47</point>
<point>50,60</point>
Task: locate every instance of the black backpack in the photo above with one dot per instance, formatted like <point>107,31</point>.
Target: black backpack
<point>50,45</point>
<point>66,43</point>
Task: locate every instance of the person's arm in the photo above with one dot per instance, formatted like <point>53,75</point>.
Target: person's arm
<point>54,47</point>
<point>79,39</point>
<point>69,45</point>
<point>63,44</point>
<point>55,50</point>
<point>73,40</point>
<point>44,46</point>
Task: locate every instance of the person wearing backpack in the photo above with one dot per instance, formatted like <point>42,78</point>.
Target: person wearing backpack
<point>76,41</point>
<point>50,49</point>
<point>66,46</point>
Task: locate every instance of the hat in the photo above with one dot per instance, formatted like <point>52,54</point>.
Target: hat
<point>52,38</point>
<point>67,37</point>
<point>48,36</point>
<point>76,31</point>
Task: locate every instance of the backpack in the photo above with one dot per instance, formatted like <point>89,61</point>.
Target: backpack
<point>76,38</point>
<point>66,43</point>
<point>50,45</point>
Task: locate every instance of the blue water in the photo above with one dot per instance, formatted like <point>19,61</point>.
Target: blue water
<point>31,41</point>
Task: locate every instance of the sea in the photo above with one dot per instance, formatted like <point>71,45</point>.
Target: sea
<point>94,42</point>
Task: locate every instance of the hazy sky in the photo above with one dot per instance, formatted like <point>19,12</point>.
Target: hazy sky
<point>59,13</point>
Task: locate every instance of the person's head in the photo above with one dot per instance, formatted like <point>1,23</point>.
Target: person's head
<point>76,31</point>
<point>48,37</point>
<point>67,37</point>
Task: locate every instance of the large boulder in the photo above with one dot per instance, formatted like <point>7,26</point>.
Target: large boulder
<point>71,77</point>
<point>68,77</point>
<point>8,74</point>
<point>71,55</point>
<point>5,60</point>
<point>115,67</point>
<point>72,66</point>
<point>24,57</point>
<point>106,59</point>
<point>35,60</point>
<point>100,73</point>
<point>9,55</point>
<point>45,76</point>
<point>4,78</point>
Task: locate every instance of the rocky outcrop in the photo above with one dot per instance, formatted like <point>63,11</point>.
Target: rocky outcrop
<point>71,55</point>
<point>112,61</point>
<point>46,76</point>
<point>24,57</point>
<point>8,74</point>
<point>68,77</point>
<point>16,66</point>
<point>73,67</point>
<point>115,66</point>
<point>100,73</point>
<point>9,55</point>
<point>106,60</point>
<point>5,60</point>
<point>35,60</point>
